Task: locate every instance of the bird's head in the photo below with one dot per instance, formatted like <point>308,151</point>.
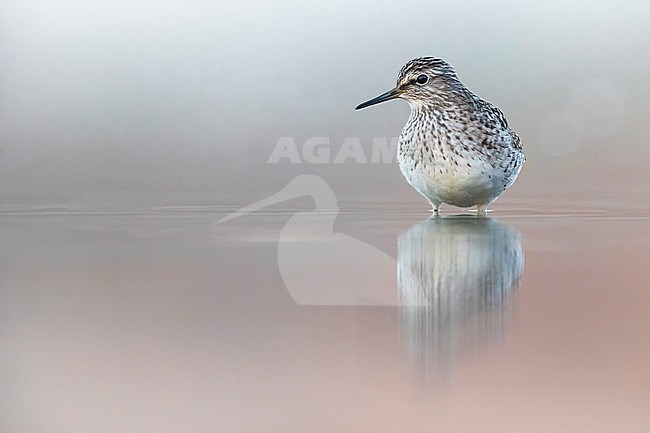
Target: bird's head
<point>420,80</point>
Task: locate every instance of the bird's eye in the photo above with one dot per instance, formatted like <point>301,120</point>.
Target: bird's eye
<point>422,79</point>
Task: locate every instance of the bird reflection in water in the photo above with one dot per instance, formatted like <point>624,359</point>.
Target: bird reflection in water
<point>455,275</point>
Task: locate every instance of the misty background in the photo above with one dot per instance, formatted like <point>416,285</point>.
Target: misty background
<point>128,128</point>
<point>184,100</point>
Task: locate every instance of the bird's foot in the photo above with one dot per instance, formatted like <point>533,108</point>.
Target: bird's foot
<point>481,210</point>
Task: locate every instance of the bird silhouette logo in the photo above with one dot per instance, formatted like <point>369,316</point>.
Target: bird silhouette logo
<point>320,266</point>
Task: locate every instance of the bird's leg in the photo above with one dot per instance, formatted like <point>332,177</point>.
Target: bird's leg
<point>482,209</point>
<point>435,208</point>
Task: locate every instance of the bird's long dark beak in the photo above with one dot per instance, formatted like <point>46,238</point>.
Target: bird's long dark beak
<point>391,94</point>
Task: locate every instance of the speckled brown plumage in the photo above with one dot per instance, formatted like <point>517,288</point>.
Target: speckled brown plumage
<point>455,148</point>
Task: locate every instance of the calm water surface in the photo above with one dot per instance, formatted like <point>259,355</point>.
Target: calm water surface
<point>151,317</point>
<point>330,303</point>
